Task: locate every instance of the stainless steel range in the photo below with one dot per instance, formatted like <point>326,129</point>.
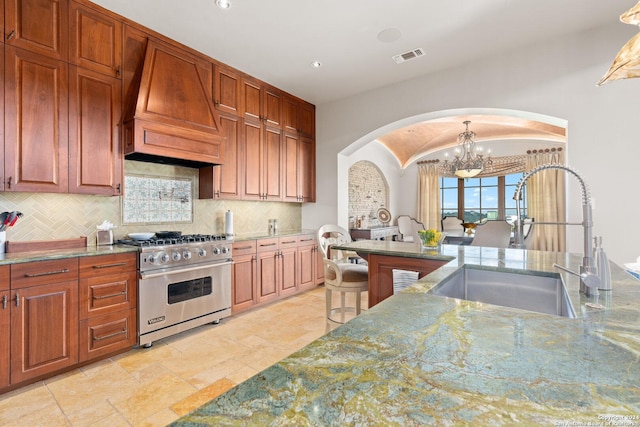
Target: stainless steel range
<point>184,282</point>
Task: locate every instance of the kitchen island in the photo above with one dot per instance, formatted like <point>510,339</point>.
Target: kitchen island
<point>420,359</point>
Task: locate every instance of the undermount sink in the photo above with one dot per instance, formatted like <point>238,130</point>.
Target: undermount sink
<point>542,294</point>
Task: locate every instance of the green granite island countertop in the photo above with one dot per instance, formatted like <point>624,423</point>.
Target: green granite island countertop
<point>421,359</point>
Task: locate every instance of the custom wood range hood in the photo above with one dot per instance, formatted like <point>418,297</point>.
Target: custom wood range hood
<point>174,120</point>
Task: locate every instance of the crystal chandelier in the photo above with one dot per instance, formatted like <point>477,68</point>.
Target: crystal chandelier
<point>469,162</point>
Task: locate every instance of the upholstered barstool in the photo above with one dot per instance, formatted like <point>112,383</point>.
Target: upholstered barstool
<point>340,275</point>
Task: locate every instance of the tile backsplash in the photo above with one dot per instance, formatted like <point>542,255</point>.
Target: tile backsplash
<point>60,216</point>
<point>150,199</point>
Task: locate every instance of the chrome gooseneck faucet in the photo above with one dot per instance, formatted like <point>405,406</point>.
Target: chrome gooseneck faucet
<point>589,279</point>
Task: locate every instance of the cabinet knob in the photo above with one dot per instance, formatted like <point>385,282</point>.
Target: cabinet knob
<point>4,302</point>
<point>17,300</point>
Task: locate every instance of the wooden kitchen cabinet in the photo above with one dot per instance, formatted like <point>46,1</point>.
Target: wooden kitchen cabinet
<point>39,26</point>
<point>95,154</point>
<point>244,276</point>
<point>308,262</point>
<point>36,122</point>
<point>262,163</point>
<point>227,90</point>
<point>95,40</point>
<point>261,102</point>
<point>268,269</point>
<point>288,265</point>
<point>5,321</point>
<point>298,117</point>
<point>299,168</point>
<point>319,272</point>
<point>225,181</point>
<point>44,318</point>
<point>108,297</point>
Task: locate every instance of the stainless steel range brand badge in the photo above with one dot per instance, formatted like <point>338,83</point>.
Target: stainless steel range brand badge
<point>156,320</point>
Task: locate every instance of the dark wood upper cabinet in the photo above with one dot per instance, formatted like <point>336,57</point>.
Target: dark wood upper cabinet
<point>224,181</point>
<point>36,122</point>
<point>40,26</point>
<point>95,40</point>
<point>95,157</point>
<point>227,90</point>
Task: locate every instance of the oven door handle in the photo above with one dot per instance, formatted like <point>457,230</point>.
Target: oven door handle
<point>182,270</point>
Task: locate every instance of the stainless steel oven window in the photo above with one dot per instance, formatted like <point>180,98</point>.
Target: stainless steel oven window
<point>189,289</point>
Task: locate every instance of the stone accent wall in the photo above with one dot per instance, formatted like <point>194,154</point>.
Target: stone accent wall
<point>59,216</point>
<point>368,192</point>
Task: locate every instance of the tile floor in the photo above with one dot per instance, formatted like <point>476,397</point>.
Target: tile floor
<point>155,386</point>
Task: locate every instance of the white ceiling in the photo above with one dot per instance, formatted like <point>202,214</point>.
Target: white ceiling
<point>276,40</point>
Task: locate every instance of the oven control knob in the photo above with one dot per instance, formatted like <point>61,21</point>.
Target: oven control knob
<point>225,250</point>
<point>202,252</point>
<point>176,256</point>
<point>215,250</point>
<point>186,254</point>
<point>159,258</point>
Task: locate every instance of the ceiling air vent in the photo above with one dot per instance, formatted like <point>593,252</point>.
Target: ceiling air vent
<point>412,54</point>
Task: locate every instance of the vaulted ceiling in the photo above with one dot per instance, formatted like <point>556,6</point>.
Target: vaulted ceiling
<point>412,142</point>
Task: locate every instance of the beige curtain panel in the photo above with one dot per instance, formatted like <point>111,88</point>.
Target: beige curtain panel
<point>546,202</point>
<point>429,195</point>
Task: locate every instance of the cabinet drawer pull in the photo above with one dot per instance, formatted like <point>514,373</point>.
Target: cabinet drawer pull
<point>17,300</point>
<point>117,264</point>
<point>11,35</point>
<point>267,244</point>
<point>4,302</point>
<point>243,247</point>
<point>122,332</point>
<point>47,273</point>
<point>306,240</point>
<point>286,243</point>
<point>110,295</point>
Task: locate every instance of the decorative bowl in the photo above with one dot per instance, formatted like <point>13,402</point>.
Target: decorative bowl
<point>431,239</point>
<point>141,236</point>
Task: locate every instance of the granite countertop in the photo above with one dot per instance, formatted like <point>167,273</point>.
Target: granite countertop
<point>266,235</point>
<point>417,358</point>
<point>19,257</point>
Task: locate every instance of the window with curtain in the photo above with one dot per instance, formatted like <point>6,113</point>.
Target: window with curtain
<point>479,199</point>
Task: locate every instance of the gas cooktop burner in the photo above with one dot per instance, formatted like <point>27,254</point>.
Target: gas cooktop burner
<point>184,239</point>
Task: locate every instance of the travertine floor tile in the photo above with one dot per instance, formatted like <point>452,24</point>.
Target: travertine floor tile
<point>152,387</point>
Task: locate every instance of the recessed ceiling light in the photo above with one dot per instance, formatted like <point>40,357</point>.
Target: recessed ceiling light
<point>223,4</point>
<point>316,64</point>
<point>389,35</point>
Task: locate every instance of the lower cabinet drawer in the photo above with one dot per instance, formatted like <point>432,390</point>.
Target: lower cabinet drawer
<point>108,294</point>
<point>100,336</point>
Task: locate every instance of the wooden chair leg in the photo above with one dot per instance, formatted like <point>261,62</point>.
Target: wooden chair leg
<point>329,296</point>
<point>358,302</point>
<point>342,305</point>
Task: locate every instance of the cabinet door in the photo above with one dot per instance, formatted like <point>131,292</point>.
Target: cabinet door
<point>252,160</point>
<point>272,163</point>
<point>290,115</point>
<point>307,262</point>
<point>95,40</point>
<point>272,108</point>
<point>44,329</point>
<point>224,181</point>
<point>251,99</point>
<point>95,155</point>
<point>319,271</point>
<point>307,169</point>
<point>36,122</point>
<point>2,176</point>
<point>307,123</point>
<point>227,90</point>
<point>243,277</point>
<point>4,325</point>
<point>40,26</point>
<point>291,167</point>
<point>268,275</point>
<point>289,273</point>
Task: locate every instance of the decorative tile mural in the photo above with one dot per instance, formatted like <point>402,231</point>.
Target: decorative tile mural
<point>150,199</point>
